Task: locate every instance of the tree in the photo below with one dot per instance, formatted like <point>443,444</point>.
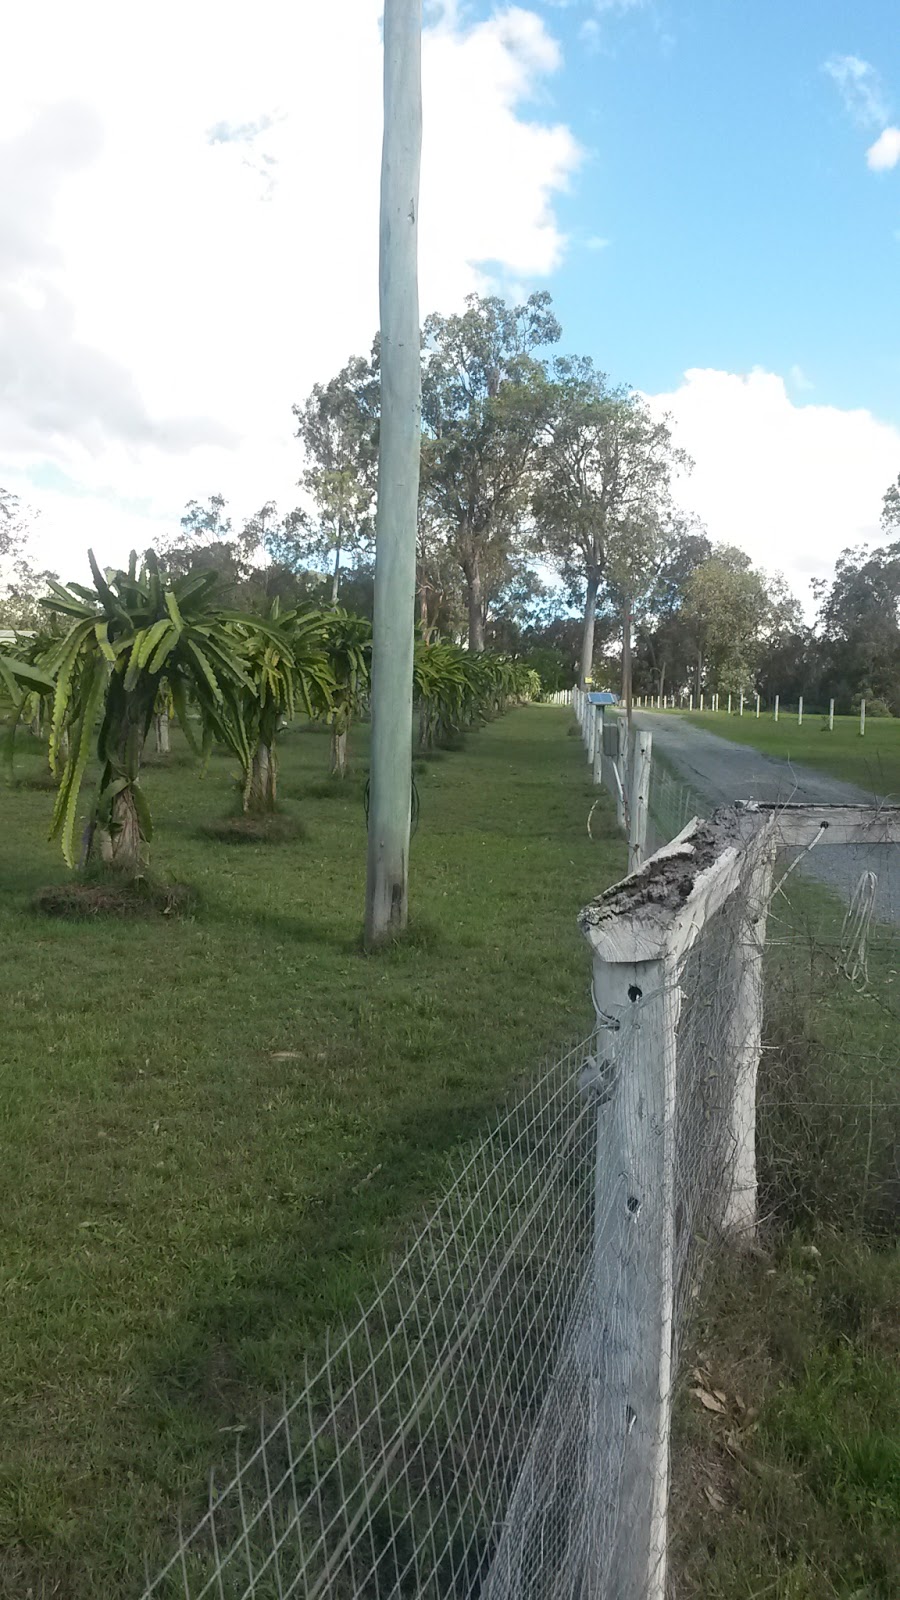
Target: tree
<point>283,662</point>
<point>21,584</point>
<point>605,471</point>
<point>348,648</point>
<point>399,453</point>
<point>890,507</point>
<point>484,403</point>
<point>127,635</point>
<point>859,620</point>
<point>727,610</point>
<point>338,426</point>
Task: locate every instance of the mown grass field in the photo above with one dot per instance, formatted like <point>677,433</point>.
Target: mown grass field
<point>871,760</point>
<point>215,1127</point>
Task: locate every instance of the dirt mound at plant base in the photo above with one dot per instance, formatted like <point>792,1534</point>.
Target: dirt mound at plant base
<point>255,830</point>
<point>115,899</point>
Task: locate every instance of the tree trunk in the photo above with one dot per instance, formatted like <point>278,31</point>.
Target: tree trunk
<point>338,763</point>
<point>662,679</point>
<point>161,730</point>
<point>626,662</point>
<point>475,597</point>
<point>399,451</point>
<point>335,576</point>
<point>699,676</point>
<point>259,795</point>
<point>587,638</point>
<point>120,846</point>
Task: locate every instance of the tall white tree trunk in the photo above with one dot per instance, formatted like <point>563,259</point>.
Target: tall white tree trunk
<point>587,636</point>
<point>387,887</point>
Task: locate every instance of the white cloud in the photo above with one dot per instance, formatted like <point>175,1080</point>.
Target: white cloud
<point>860,89</point>
<point>799,379</point>
<point>885,152</point>
<point>596,243</point>
<point>791,484</point>
<point>190,234</point>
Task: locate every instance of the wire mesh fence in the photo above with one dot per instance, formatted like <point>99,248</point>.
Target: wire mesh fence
<point>477,1432</point>
<point>495,1425</point>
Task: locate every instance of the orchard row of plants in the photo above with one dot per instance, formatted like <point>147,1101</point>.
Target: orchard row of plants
<point>140,648</point>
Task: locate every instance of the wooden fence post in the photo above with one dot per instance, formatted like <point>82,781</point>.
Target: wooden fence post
<point>621,759</point>
<point>639,798</point>
<point>776,708</point>
<point>831,716</point>
<point>597,771</point>
<point>800,713</point>
<point>638,949</point>
<point>757,705</point>
<point>743,1035</point>
<point>741,711</point>
<point>862,717</point>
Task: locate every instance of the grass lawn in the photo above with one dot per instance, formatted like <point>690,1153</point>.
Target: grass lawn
<point>871,761</point>
<point>215,1127</point>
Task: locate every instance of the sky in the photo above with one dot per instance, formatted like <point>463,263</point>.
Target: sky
<point>709,189</point>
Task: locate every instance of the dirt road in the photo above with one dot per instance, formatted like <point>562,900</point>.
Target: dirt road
<point>720,772</point>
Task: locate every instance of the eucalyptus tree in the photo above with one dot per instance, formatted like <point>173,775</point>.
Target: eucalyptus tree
<point>338,427</point>
<point>728,611</point>
<point>604,483</point>
<point>21,584</point>
<point>126,636</point>
<point>484,408</point>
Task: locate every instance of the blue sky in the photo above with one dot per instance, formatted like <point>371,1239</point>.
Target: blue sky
<point>729,178</point>
<point>714,208</point>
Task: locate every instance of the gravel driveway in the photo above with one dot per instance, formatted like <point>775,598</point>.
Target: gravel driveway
<point>720,772</point>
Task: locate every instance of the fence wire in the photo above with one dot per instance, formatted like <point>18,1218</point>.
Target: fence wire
<point>479,1433</point>
<point>473,1435</point>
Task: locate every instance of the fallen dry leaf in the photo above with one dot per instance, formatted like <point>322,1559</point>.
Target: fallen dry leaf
<point>714,1498</point>
<point>708,1401</point>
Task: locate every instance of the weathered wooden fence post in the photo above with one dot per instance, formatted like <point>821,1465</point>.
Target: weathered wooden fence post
<point>743,1019</point>
<point>639,798</point>
<point>831,716</point>
<point>800,713</point>
<point>862,716</point>
<point>597,772</point>
<point>776,707</point>
<point>639,944</point>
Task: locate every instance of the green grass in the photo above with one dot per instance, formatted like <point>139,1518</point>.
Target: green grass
<point>872,761</point>
<point>215,1127</point>
<point>792,1492</point>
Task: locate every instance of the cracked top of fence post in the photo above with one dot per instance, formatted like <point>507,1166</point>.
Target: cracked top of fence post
<point>659,910</point>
